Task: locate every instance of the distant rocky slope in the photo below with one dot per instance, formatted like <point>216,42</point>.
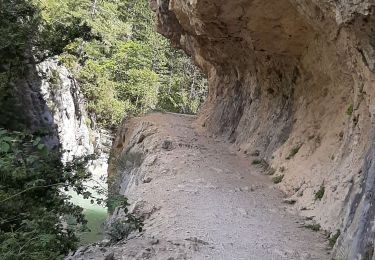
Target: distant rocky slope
<point>292,83</point>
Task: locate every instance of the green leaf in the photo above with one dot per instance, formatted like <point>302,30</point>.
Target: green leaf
<point>7,139</point>
<point>31,159</point>
<point>37,141</point>
<point>4,147</point>
<point>43,149</point>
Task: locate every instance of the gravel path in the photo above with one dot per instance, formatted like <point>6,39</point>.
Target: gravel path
<point>203,201</point>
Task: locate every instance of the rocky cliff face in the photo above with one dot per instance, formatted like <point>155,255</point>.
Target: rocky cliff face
<point>51,100</point>
<point>292,82</point>
<point>66,110</point>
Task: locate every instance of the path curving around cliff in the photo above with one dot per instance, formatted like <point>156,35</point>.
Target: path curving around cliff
<point>200,199</point>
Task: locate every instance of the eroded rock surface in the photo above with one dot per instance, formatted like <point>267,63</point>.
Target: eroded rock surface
<point>293,81</point>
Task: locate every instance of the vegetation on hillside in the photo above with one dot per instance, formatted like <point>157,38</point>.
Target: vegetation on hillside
<point>123,67</point>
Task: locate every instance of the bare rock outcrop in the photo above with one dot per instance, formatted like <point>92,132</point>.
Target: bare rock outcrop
<point>63,105</point>
<point>293,82</point>
<point>48,98</point>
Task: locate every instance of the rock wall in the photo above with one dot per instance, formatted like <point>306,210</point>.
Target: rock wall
<point>66,110</point>
<point>51,100</point>
<point>292,82</point>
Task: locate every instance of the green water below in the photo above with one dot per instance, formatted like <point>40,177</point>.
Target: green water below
<point>96,220</point>
<point>96,216</point>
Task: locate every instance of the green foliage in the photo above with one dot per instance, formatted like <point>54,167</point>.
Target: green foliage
<point>293,152</point>
<point>313,227</point>
<point>320,193</point>
<point>119,230</point>
<point>19,21</point>
<point>350,110</point>
<point>123,65</point>
<point>36,216</point>
<point>31,203</point>
<point>278,179</point>
<point>332,240</point>
<point>101,95</point>
<point>185,89</point>
<point>122,227</point>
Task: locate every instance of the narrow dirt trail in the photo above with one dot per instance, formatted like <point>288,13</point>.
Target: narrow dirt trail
<point>203,201</point>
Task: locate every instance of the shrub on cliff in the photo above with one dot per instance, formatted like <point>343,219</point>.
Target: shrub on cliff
<point>32,206</point>
<point>34,210</point>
